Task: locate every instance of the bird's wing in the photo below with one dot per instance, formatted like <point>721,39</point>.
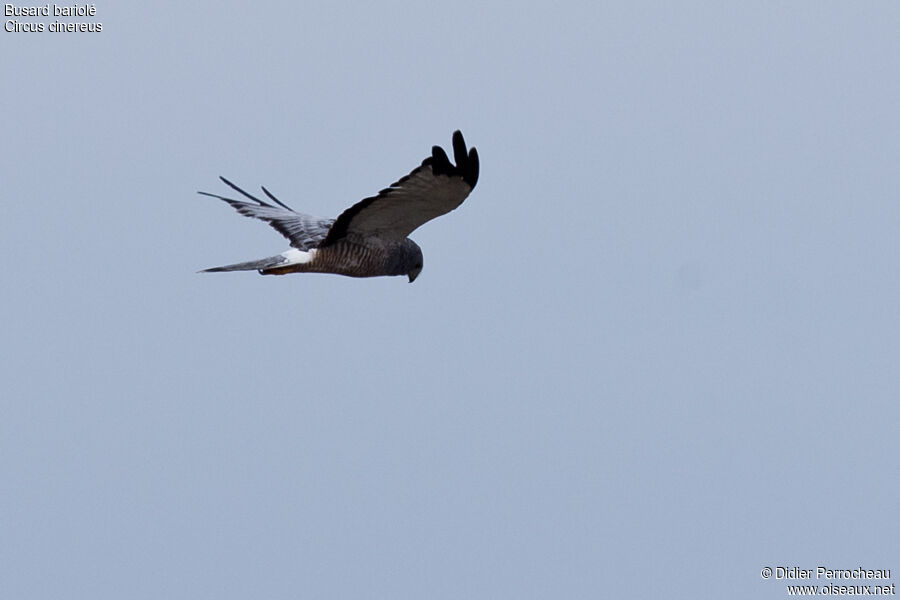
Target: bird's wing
<point>434,188</point>
<point>304,231</point>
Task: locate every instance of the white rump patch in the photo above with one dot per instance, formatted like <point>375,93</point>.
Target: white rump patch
<point>297,257</point>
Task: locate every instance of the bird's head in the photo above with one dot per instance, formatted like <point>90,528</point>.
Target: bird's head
<point>414,272</point>
<point>412,259</point>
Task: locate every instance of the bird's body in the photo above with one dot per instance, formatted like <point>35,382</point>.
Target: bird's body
<point>358,257</point>
<point>369,239</point>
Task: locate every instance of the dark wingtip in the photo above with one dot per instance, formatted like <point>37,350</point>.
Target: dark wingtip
<point>472,168</point>
<point>466,163</point>
<point>217,196</point>
<point>275,200</point>
<point>440,164</point>
<point>459,148</point>
<point>242,192</point>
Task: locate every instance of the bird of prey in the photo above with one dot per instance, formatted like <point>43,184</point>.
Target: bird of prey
<point>371,237</point>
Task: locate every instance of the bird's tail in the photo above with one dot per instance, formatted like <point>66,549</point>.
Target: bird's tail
<point>253,265</point>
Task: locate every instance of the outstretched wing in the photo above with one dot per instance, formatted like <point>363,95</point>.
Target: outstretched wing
<point>430,190</point>
<point>304,231</point>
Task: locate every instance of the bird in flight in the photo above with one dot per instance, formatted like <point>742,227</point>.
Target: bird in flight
<point>370,238</point>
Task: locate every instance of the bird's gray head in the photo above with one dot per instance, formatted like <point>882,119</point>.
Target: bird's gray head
<point>415,260</point>
<point>414,272</point>
<point>406,259</point>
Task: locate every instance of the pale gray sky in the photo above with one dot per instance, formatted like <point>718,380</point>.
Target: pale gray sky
<point>655,351</point>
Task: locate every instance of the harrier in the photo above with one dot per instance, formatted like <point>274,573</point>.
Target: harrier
<point>370,238</point>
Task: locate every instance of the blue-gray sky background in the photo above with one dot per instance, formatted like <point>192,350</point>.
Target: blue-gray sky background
<point>655,351</point>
